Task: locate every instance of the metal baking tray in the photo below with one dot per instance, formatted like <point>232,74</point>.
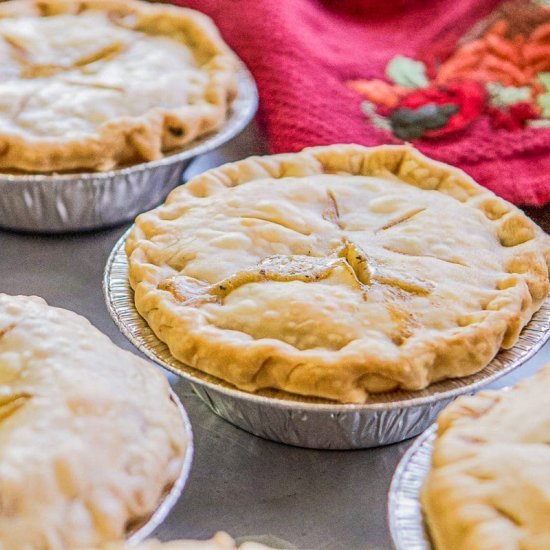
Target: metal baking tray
<point>387,417</point>
<point>54,203</point>
<point>407,527</point>
<point>143,529</point>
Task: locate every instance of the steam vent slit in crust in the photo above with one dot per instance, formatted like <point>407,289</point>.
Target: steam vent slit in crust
<point>337,272</point>
<point>97,84</point>
<point>90,439</point>
<point>489,485</point>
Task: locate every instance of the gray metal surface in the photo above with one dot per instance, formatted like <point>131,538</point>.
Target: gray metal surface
<point>387,418</point>
<point>329,500</point>
<point>74,202</point>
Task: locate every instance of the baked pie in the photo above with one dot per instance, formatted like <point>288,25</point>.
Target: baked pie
<point>336,272</point>
<point>89,437</point>
<point>221,541</point>
<point>96,84</point>
<point>489,486</point>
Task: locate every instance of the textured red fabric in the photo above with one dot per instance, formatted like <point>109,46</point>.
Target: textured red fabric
<point>302,52</point>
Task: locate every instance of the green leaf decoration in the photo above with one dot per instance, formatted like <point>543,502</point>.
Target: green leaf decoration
<point>538,123</point>
<point>543,101</point>
<point>409,124</point>
<point>507,95</point>
<point>407,72</point>
<point>369,109</point>
<point>544,79</point>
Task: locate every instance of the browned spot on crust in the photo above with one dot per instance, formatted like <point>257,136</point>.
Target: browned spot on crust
<point>515,229</point>
<point>20,54</point>
<point>82,7</point>
<point>453,261</point>
<point>400,219</point>
<point>6,329</point>
<point>494,208</point>
<point>43,8</point>
<point>107,52</point>
<point>508,516</point>
<point>332,212</point>
<point>10,404</point>
<point>176,131</point>
<point>267,220</point>
<point>95,85</point>
<point>41,70</point>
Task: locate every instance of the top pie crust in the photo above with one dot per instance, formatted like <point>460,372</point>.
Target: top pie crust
<point>89,436</point>
<point>489,487</point>
<point>95,84</point>
<point>337,271</point>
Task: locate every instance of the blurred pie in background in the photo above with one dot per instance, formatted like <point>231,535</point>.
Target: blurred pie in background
<point>93,85</point>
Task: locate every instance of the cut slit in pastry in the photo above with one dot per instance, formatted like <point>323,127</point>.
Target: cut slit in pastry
<point>307,269</point>
<point>336,272</point>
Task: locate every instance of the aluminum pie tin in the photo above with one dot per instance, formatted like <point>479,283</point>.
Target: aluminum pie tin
<point>55,203</point>
<point>407,527</point>
<point>143,529</point>
<point>305,422</point>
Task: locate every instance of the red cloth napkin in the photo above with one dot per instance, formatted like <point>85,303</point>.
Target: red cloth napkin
<point>307,56</point>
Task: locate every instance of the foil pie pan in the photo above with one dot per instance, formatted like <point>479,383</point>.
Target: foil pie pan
<point>142,529</point>
<point>387,418</point>
<point>407,527</point>
<point>54,203</point>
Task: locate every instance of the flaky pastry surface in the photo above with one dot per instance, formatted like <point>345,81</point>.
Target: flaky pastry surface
<point>89,437</point>
<point>489,486</point>
<point>96,84</point>
<point>336,272</point>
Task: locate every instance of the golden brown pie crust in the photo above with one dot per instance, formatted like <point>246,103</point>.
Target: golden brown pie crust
<point>337,271</point>
<point>489,486</point>
<point>90,439</point>
<point>124,139</point>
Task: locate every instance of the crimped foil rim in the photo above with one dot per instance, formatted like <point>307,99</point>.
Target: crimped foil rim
<point>241,111</point>
<point>172,496</point>
<point>120,304</point>
<point>407,528</point>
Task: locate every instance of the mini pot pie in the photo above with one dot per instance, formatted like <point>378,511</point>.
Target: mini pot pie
<point>489,486</point>
<point>336,272</point>
<point>220,541</point>
<point>89,437</point>
<point>96,84</point>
